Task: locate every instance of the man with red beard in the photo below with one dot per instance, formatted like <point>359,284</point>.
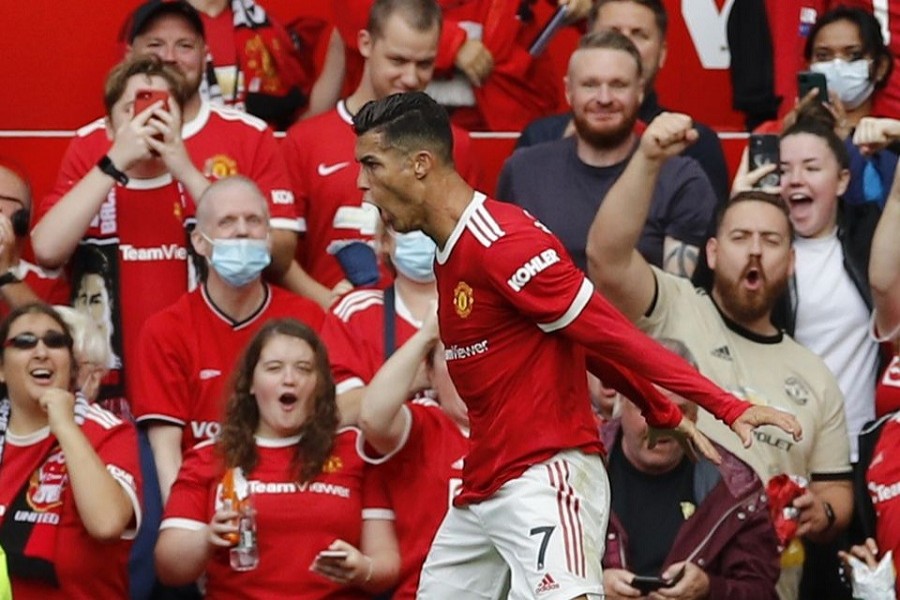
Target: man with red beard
<point>605,90</point>
<point>730,331</point>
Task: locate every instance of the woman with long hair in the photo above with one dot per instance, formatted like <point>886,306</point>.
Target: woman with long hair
<point>321,528</point>
<point>69,470</point>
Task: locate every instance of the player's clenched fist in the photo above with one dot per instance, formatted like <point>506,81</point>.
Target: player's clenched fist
<point>667,135</point>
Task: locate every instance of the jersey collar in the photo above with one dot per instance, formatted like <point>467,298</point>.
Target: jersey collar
<point>443,254</point>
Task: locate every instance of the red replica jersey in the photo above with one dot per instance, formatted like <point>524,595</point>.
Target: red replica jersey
<point>220,141</point>
<point>294,520</point>
<point>514,311</point>
<point>131,263</point>
<point>320,156</point>
<point>353,332</point>
<point>188,351</point>
<point>887,394</point>
<point>86,568</point>
<point>883,478</point>
<point>421,478</point>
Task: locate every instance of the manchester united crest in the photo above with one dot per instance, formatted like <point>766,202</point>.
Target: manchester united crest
<point>220,166</point>
<point>463,299</point>
<point>46,486</point>
<point>333,464</point>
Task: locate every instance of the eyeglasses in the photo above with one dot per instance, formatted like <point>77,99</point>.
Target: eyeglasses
<point>27,341</point>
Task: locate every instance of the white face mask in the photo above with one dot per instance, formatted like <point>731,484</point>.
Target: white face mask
<point>849,80</point>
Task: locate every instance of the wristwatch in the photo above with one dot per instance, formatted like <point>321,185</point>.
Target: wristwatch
<point>106,165</point>
<point>7,278</point>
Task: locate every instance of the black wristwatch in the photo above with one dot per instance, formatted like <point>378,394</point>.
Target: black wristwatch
<point>106,165</point>
<point>829,514</point>
<point>7,278</point>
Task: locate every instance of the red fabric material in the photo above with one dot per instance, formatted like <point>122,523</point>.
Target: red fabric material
<point>782,491</point>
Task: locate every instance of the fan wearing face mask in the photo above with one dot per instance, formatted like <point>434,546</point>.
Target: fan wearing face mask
<point>846,46</point>
<point>365,326</point>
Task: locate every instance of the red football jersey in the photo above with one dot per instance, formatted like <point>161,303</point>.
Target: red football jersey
<point>353,332</point>
<point>50,285</point>
<point>320,156</point>
<point>188,351</point>
<point>513,311</point>
<point>86,568</point>
<point>883,479</point>
<point>887,394</point>
<point>294,520</point>
<point>429,465</point>
<point>220,141</point>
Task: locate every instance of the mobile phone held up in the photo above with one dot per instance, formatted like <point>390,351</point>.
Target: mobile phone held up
<point>763,150</point>
<point>144,98</point>
<point>808,80</point>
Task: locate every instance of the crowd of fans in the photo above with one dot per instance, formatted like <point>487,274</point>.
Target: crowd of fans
<point>243,389</point>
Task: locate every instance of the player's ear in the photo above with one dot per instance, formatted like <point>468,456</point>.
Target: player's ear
<point>423,162</point>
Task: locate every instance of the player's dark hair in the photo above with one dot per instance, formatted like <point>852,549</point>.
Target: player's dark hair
<point>420,15</point>
<point>656,6</point>
<point>148,66</point>
<point>612,40</point>
<point>816,120</point>
<point>410,121</point>
<point>870,36</point>
<point>755,196</point>
<point>237,443</point>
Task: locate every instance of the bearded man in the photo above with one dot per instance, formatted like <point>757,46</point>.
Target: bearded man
<point>563,182</point>
<point>730,331</point>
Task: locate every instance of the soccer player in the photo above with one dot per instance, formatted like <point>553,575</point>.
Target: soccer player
<point>519,322</point>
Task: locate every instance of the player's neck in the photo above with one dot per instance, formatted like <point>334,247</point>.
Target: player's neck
<point>237,303</point>
<point>362,94</point>
<point>416,296</point>
<point>863,110</point>
<point>212,8</point>
<point>603,157</point>
<point>448,198</point>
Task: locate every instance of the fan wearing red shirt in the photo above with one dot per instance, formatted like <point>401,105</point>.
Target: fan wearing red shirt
<point>69,474</point>
<point>399,45</point>
<point>188,349</point>
<point>310,490</point>
<point>519,322</point>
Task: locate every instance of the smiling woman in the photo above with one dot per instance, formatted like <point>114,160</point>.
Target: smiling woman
<point>284,460</point>
<point>68,470</point>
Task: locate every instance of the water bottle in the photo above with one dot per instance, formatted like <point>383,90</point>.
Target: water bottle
<point>244,556</point>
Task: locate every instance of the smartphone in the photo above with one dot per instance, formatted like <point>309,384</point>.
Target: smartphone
<point>807,80</point>
<point>645,585</point>
<point>144,98</point>
<point>338,554</point>
<point>763,150</point>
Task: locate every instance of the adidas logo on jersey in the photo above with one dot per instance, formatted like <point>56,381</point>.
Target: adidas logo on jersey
<point>723,352</point>
<point>547,584</point>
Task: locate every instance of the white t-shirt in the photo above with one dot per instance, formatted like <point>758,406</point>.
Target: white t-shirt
<point>832,321</point>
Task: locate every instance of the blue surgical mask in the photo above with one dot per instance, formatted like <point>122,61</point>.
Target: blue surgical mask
<point>414,256</point>
<point>239,260</point>
<point>849,80</point>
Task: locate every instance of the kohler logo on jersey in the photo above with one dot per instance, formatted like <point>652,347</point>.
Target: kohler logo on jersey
<point>534,266</point>
<point>153,253</point>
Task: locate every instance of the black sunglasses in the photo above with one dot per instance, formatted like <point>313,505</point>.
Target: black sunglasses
<point>28,340</point>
